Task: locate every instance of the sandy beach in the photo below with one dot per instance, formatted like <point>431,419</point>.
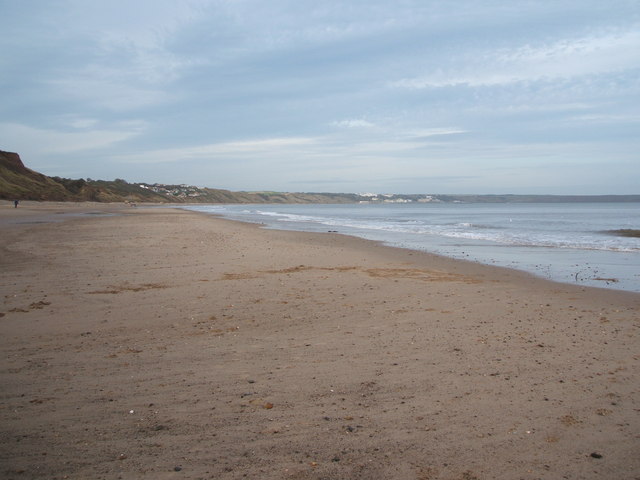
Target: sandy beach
<point>156,343</point>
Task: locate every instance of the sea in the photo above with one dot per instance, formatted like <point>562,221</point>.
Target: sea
<point>572,243</point>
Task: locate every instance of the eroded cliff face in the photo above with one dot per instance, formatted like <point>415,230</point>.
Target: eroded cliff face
<point>13,162</point>
<point>18,182</point>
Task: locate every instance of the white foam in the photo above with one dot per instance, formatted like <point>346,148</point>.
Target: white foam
<point>527,231</point>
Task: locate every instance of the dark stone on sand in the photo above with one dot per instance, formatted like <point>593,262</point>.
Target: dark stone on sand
<point>177,468</point>
<point>596,455</point>
<point>625,232</point>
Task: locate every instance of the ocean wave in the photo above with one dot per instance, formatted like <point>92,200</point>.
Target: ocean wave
<point>508,234</point>
<point>545,240</point>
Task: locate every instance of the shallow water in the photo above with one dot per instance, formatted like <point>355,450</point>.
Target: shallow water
<point>567,242</point>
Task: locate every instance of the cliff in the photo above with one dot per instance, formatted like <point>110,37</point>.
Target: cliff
<point>18,182</point>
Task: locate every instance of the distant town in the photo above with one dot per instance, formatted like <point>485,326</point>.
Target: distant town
<point>393,198</point>
<point>191,192</point>
<point>179,191</point>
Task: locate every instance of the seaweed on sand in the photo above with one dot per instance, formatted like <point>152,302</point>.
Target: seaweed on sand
<point>625,232</point>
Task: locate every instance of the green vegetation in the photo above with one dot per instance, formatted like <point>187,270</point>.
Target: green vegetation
<point>18,182</point>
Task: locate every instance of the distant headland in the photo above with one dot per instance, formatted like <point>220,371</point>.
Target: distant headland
<point>17,182</point>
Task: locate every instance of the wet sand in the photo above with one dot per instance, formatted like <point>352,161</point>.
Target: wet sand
<point>161,343</point>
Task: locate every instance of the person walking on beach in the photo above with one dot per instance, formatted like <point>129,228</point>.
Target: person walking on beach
<point>15,203</point>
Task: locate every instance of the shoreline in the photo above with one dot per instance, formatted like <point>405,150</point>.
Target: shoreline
<point>36,212</point>
<point>381,243</point>
<point>47,212</point>
<point>52,212</point>
<point>161,343</point>
<point>595,267</point>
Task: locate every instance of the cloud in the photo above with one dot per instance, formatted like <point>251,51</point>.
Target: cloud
<point>253,149</point>
<point>302,157</point>
<point>564,59</point>
<point>106,92</point>
<point>448,179</point>
<point>352,123</point>
<point>80,123</point>
<point>327,181</point>
<point>30,141</point>
<point>247,92</point>
<point>92,55</point>
<point>262,145</point>
<point>433,132</point>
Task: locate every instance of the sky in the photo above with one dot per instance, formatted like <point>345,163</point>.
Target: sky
<point>381,96</point>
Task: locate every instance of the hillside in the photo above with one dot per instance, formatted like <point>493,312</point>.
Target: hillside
<point>18,182</point>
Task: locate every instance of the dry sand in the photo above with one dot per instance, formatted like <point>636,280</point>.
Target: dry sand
<point>166,344</point>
